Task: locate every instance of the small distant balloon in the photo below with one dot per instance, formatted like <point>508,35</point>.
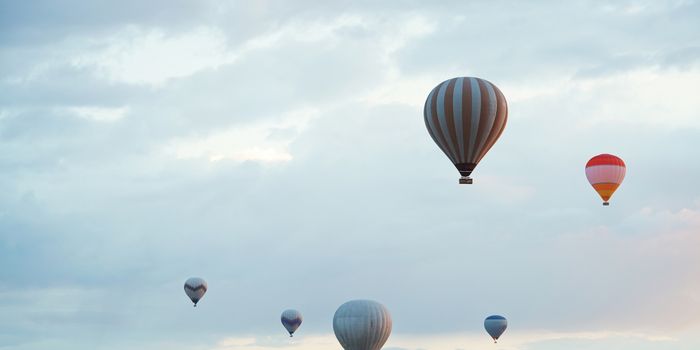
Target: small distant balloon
<point>495,326</point>
<point>195,288</point>
<point>605,173</point>
<point>291,320</point>
<point>465,117</point>
<point>362,325</point>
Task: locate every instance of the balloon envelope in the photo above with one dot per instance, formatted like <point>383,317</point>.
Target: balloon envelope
<point>495,326</point>
<point>291,320</point>
<point>605,173</point>
<point>465,116</point>
<point>195,288</point>
<point>362,325</point>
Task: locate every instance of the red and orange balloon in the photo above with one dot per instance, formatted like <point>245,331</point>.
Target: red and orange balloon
<point>605,173</point>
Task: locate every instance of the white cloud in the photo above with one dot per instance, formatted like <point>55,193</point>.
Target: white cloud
<point>304,32</point>
<point>4,113</point>
<point>266,142</point>
<point>276,342</point>
<point>98,114</point>
<point>638,7</point>
<point>92,113</point>
<point>409,91</point>
<point>510,341</point>
<point>664,98</point>
<point>684,220</point>
<point>150,56</point>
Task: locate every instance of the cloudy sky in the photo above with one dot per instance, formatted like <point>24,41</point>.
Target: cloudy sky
<point>278,150</point>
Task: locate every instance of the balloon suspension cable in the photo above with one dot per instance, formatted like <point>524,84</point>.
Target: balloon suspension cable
<point>465,180</point>
<point>606,204</point>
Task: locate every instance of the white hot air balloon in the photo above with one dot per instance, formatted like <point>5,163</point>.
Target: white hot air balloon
<point>291,320</point>
<point>362,325</point>
<point>195,288</point>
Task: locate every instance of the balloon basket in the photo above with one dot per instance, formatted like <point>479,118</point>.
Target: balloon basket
<point>606,204</point>
<point>465,180</point>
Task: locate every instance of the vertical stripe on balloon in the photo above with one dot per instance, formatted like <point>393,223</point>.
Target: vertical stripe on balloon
<point>437,131</point>
<point>450,117</point>
<point>499,123</point>
<point>457,115</point>
<point>474,116</point>
<point>428,112</point>
<point>442,118</point>
<point>488,116</point>
<point>465,116</point>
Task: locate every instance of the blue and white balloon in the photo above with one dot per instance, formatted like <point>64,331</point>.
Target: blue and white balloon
<point>291,320</point>
<point>495,326</point>
<point>362,325</point>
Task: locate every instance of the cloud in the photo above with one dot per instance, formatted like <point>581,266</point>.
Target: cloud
<point>139,56</point>
<point>264,142</point>
<point>278,150</point>
<point>99,114</point>
<point>657,97</point>
<point>512,340</point>
<point>272,342</point>
<point>663,99</point>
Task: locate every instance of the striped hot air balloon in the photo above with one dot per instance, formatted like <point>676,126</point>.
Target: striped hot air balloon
<point>465,116</point>
<point>605,172</point>
<point>362,325</point>
<point>195,288</point>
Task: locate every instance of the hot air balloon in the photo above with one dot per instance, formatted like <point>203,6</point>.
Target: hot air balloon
<point>495,326</point>
<point>605,173</point>
<point>465,116</point>
<point>195,288</point>
<point>291,320</point>
<point>362,325</point>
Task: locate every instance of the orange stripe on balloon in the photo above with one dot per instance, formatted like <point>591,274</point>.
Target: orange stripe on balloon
<point>605,190</point>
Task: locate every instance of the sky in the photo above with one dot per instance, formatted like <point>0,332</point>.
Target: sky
<point>278,150</point>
